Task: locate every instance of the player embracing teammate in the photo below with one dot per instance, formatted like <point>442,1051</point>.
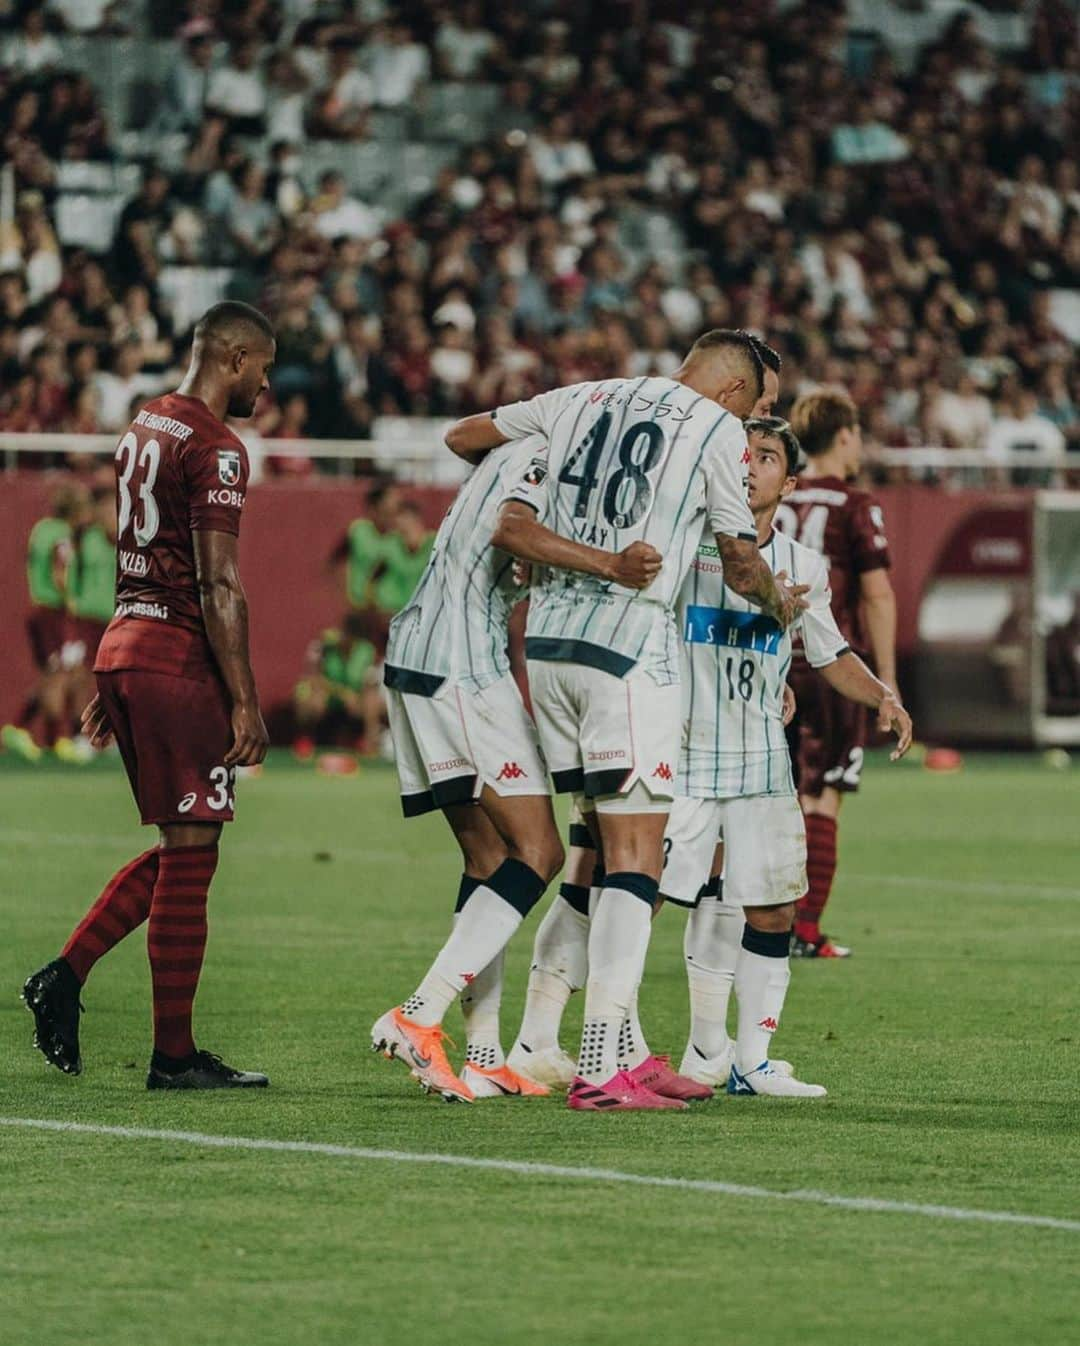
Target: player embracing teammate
<point>648,462</point>
<point>176,690</point>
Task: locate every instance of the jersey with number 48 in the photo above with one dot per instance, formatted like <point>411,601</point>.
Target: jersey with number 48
<point>178,469</point>
<point>628,460</point>
<point>456,621</point>
<point>736,660</point>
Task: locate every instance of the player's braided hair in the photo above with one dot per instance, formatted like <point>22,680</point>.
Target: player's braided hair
<point>777,428</point>
<point>770,358</point>
<point>818,417</point>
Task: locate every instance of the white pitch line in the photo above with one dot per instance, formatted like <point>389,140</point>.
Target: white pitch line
<point>708,1186</point>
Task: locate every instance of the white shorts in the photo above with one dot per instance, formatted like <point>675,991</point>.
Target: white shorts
<point>764,840</point>
<point>615,740</point>
<point>447,747</point>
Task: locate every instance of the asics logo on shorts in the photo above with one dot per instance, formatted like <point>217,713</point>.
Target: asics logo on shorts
<point>187,803</point>
<point>663,771</point>
<point>511,771</point>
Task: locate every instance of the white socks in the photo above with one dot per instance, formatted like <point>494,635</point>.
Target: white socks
<point>711,948</point>
<point>483,929</point>
<point>480,1009</point>
<point>632,1048</point>
<point>559,967</point>
<point>618,943</point>
<point>761,982</point>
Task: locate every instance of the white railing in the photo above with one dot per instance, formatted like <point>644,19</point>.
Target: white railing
<point>425,458</point>
<point>420,459</point>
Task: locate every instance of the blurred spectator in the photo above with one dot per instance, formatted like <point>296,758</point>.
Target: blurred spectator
<point>959,417</point>
<point>904,221</point>
<point>33,49</point>
<point>1018,430</point>
<point>338,215</point>
<point>396,63</point>
<point>462,42</point>
<point>339,700</point>
<point>116,387</point>
<point>364,545</point>
<point>404,555</point>
<point>341,106</point>
<point>237,90</point>
<point>188,79</point>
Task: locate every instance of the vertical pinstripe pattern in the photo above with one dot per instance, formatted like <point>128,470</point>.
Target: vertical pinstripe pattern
<point>639,626</point>
<point>733,744</point>
<point>455,623</point>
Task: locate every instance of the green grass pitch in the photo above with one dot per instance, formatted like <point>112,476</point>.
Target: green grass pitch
<point>948,1044</point>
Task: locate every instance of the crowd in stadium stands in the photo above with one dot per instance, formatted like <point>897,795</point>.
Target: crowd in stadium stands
<point>909,228</point>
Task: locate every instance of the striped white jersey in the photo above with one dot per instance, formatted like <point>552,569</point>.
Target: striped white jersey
<point>455,623</point>
<point>735,661</point>
<point>629,459</point>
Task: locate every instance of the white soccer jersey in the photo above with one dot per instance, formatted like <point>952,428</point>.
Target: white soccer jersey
<point>735,661</point>
<point>628,460</point>
<point>455,623</point>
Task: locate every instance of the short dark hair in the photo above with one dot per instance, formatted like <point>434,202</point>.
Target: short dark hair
<point>738,341</point>
<point>379,489</point>
<point>818,417</point>
<point>777,428</point>
<point>231,319</point>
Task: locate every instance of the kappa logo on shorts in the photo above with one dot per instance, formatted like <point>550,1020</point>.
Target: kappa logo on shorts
<point>770,1025</point>
<point>228,466</point>
<point>663,771</point>
<point>187,803</point>
<point>511,771</point>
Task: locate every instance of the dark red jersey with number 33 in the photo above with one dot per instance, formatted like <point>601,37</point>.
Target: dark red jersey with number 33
<point>178,469</point>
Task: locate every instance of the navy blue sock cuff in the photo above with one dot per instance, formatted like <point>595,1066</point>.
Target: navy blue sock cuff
<point>517,884</point>
<point>581,836</point>
<point>639,884</point>
<point>768,943</point>
<point>575,896</point>
<point>466,888</point>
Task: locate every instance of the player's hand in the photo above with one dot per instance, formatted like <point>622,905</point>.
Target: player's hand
<point>250,739</point>
<point>95,724</point>
<point>893,718</point>
<point>792,602</point>
<point>636,566</point>
<point>789,705</point>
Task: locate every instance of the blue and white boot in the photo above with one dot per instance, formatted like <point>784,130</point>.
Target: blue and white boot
<point>769,1082</point>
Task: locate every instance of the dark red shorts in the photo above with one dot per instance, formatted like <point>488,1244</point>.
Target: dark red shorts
<point>86,633</point>
<point>827,737</point>
<point>173,734</point>
<point>48,631</point>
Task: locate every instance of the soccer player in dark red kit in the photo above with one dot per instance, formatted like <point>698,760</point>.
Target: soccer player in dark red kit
<point>175,688</point>
<point>831,515</point>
